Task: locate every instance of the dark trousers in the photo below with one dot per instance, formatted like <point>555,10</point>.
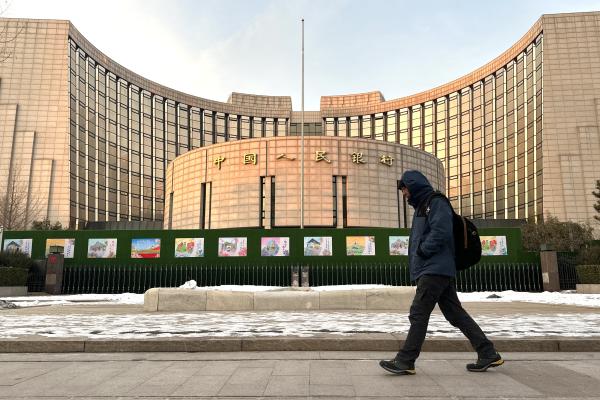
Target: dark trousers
<point>432,289</point>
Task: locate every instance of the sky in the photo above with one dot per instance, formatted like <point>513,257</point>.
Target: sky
<point>211,48</point>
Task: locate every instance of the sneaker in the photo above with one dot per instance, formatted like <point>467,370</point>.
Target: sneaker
<point>398,367</point>
<point>483,364</point>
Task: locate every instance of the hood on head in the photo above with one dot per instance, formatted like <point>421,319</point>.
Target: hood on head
<point>418,186</point>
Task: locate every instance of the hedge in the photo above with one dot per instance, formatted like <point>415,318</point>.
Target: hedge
<point>588,273</point>
<point>10,276</point>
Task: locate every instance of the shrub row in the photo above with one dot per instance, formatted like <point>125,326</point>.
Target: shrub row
<point>11,276</point>
<point>588,273</point>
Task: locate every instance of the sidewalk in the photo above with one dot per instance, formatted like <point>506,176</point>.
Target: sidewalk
<point>298,375</point>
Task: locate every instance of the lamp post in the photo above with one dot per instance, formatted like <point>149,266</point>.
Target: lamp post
<point>302,138</point>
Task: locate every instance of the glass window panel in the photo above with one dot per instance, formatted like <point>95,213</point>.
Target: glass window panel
<point>195,126</point>
<point>282,129</point>
<point>379,125</point>
<point>245,127</point>
<point>269,127</point>
<point>416,127</point>
<point>233,127</point>
<point>366,126</point>
<point>220,125</point>
<point>391,127</point>
<point>342,127</point>
<point>208,128</point>
<point>257,127</point>
<point>404,131</point>
<point>354,127</point>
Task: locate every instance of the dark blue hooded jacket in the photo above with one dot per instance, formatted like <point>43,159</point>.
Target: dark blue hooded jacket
<point>431,243</point>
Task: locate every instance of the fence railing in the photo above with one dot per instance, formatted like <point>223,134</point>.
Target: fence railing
<point>567,274</point>
<point>138,278</point>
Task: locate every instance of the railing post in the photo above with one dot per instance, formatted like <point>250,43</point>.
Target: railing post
<point>550,278</point>
<point>295,271</point>
<point>305,276</point>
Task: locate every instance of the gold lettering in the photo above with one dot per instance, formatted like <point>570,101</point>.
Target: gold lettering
<point>321,156</point>
<point>218,160</point>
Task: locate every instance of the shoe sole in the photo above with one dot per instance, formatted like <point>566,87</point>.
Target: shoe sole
<point>396,372</point>
<point>491,365</point>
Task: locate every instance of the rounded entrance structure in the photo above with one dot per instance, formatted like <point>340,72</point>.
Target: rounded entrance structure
<point>256,183</point>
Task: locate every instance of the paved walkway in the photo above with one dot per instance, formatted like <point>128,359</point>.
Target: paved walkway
<point>298,375</point>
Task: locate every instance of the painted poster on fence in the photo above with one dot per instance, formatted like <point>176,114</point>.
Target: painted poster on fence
<point>493,246</point>
<point>189,247</point>
<point>64,246</point>
<point>360,245</point>
<point>275,246</point>
<point>102,248</point>
<point>398,245</point>
<point>20,245</point>
<point>145,248</point>
<point>233,247</point>
<point>317,246</point>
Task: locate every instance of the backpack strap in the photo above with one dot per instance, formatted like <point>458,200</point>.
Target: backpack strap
<point>424,207</point>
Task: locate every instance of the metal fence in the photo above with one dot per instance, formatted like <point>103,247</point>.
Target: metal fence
<point>36,279</point>
<point>481,277</point>
<point>137,278</point>
<point>567,274</point>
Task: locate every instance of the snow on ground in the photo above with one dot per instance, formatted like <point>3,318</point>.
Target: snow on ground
<point>51,300</point>
<point>568,297</point>
<point>277,323</point>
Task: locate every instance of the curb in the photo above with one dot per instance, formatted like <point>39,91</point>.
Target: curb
<point>383,342</point>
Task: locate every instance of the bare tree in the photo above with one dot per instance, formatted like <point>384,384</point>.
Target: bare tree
<point>597,205</point>
<point>8,36</point>
<point>19,207</point>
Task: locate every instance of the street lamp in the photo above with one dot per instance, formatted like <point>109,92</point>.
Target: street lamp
<point>302,139</point>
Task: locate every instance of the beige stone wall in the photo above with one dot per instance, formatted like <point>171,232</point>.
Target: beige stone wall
<point>234,196</point>
<point>571,126</point>
<point>34,114</point>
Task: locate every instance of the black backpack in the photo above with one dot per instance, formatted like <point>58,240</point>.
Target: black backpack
<point>467,245</point>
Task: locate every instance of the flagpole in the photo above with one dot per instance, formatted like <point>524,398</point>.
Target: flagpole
<point>302,139</point>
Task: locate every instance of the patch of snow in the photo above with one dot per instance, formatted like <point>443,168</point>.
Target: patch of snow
<point>242,288</point>
<point>568,297</point>
<point>189,285</point>
<point>278,323</point>
<point>32,301</point>
<point>7,304</point>
<point>563,298</point>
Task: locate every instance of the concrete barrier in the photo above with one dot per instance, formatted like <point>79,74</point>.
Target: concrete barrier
<point>588,288</point>
<point>393,298</point>
<point>221,300</point>
<point>286,300</point>
<point>343,299</point>
<point>397,298</point>
<point>13,291</point>
<point>180,300</point>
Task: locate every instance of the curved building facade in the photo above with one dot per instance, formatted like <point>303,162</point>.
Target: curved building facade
<point>92,140</point>
<point>348,182</point>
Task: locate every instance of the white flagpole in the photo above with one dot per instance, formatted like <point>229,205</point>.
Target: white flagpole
<point>302,139</point>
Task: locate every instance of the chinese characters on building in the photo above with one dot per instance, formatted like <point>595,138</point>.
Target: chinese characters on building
<point>320,155</point>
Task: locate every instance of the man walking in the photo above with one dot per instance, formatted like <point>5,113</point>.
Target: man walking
<point>432,266</point>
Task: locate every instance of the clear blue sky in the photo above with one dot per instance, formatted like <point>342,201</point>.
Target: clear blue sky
<point>214,47</point>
